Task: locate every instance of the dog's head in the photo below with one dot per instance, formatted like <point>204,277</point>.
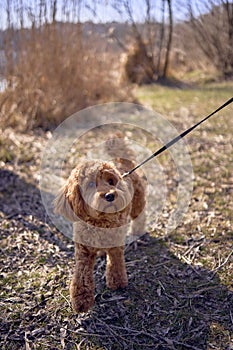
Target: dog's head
<point>93,190</point>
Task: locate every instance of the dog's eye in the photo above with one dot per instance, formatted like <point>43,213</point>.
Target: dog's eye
<point>91,184</point>
<point>110,182</point>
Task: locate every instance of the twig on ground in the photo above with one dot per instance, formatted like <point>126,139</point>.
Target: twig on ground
<point>222,264</point>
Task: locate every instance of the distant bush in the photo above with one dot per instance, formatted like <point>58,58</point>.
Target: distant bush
<point>53,73</point>
<point>139,66</point>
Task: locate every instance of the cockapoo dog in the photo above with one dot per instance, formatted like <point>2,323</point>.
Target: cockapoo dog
<point>101,204</point>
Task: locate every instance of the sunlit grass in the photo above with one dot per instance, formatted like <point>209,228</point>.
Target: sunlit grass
<point>199,101</point>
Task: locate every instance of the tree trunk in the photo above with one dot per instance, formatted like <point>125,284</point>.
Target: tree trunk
<point>169,42</point>
<point>161,39</point>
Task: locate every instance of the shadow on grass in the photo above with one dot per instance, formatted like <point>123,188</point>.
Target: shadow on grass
<point>21,201</point>
<point>19,197</point>
<point>167,305</point>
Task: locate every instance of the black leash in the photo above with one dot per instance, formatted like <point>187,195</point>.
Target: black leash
<point>177,138</point>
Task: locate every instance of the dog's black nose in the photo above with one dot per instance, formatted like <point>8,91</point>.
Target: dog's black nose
<point>109,197</point>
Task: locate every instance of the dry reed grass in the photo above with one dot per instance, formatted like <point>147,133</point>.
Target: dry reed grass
<point>55,73</point>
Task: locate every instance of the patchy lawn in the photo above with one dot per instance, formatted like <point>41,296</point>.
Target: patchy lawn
<point>180,284</point>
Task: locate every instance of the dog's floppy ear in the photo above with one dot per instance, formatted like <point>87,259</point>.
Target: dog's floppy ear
<point>63,206</point>
<point>69,201</point>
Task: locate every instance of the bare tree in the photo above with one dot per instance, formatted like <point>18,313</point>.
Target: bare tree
<point>161,38</point>
<point>212,23</point>
<point>8,39</point>
<point>9,13</point>
<point>169,40</point>
<point>54,10</point>
<point>149,59</point>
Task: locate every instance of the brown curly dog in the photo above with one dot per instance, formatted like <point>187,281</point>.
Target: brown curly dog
<point>101,205</point>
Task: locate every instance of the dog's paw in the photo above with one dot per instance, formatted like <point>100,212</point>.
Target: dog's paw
<point>81,299</point>
<point>116,282</point>
<point>82,303</point>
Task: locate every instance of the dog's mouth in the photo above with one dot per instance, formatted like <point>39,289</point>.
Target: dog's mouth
<point>103,206</point>
<point>110,208</point>
<point>98,204</point>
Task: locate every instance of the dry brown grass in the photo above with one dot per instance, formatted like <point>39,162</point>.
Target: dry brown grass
<point>55,74</point>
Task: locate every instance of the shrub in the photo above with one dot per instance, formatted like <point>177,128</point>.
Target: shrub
<point>55,73</point>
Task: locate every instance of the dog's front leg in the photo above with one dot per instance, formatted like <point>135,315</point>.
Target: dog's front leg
<point>116,275</point>
<point>82,284</point>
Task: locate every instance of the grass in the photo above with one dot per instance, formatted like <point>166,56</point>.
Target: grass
<point>199,100</point>
<point>180,284</point>
<point>210,149</point>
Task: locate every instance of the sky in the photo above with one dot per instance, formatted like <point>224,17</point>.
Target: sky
<point>100,10</point>
<point>103,9</point>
